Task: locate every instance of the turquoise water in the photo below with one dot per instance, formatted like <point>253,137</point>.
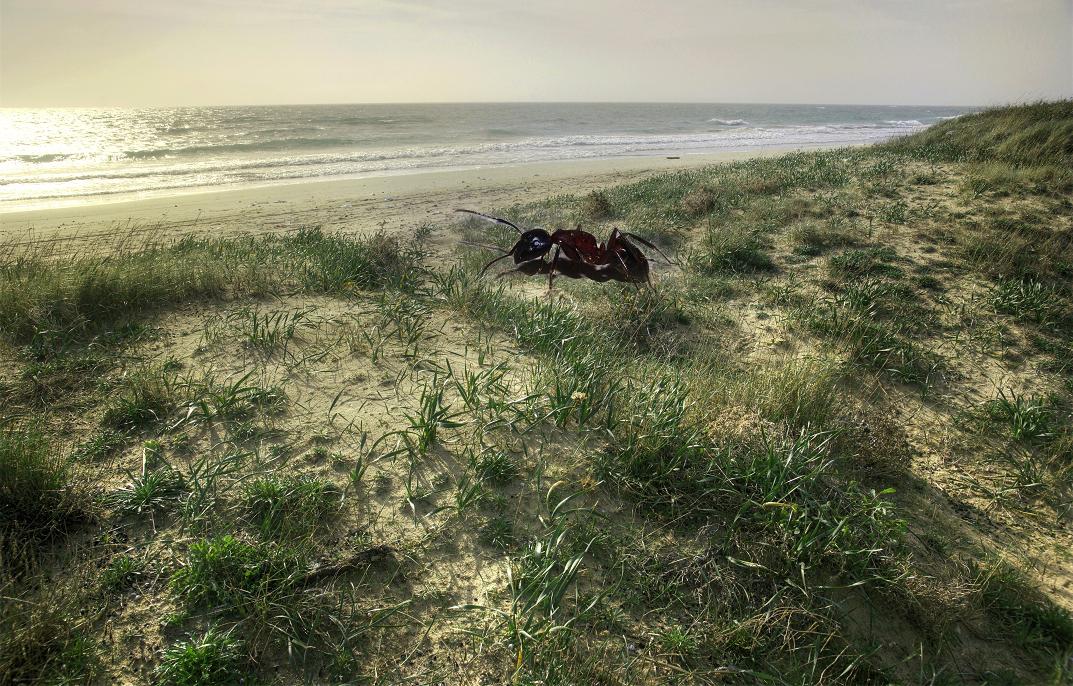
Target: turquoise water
<point>51,157</point>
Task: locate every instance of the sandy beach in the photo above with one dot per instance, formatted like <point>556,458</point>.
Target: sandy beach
<point>395,203</point>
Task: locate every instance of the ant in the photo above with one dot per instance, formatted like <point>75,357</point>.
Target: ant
<point>577,254</point>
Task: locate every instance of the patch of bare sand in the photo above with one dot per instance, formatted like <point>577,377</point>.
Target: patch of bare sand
<point>352,371</point>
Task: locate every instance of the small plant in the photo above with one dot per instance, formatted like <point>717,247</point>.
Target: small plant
<point>494,467</point>
<point>539,583</point>
<point>103,444</point>
<point>896,212</point>
<point>698,202</point>
<point>498,532</point>
<point>813,239</point>
<point>474,386</point>
<point>204,478</point>
<point>229,400</point>
<point>214,658</point>
<point>467,495</point>
<point>268,332</point>
<point>433,414</point>
<point>678,641</point>
<point>123,572</point>
<point>800,392</point>
<point>1026,419</point>
<point>145,398</point>
<point>1038,622</point>
<point>149,491</point>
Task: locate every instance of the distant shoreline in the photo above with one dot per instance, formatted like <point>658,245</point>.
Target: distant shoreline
<point>397,202</point>
<point>51,159</point>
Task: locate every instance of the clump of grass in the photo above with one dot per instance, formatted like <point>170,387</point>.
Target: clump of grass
<point>541,606</point>
<point>1029,300</point>
<point>1041,458</point>
<point>784,481</point>
<point>270,331</point>
<point>925,179</point>
<point>494,466</point>
<point>433,414</point>
<point>865,262</point>
<point>214,658</point>
<point>150,491</point>
<point>643,319</point>
<point>123,572</point>
<point>50,379</point>
<point>1020,247</point>
<point>651,454</point>
<point>244,579</point>
<point>814,239</point>
<point>698,202</point>
<point>596,206</point>
<point>1037,622</point>
<point>37,496</point>
<point>102,444</point>
<point>1025,418</point>
<point>1003,179</point>
<point>498,532</point>
<point>733,248</point>
<point>800,392</point>
<point>871,342</point>
<point>55,303</point>
<point>45,633</point>
<point>289,506</point>
<point>331,263</point>
<point>145,397</point>
<point>210,399</point>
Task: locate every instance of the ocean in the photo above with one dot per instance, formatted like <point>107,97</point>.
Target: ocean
<point>63,157</point>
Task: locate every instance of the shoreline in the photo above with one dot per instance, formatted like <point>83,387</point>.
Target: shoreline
<point>395,202</point>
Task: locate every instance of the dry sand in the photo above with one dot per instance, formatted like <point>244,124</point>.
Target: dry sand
<point>399,202</point>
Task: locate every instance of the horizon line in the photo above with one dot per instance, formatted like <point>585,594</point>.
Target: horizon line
<point>530,102</point>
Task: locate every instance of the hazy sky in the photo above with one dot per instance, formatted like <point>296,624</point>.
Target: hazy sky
<point>164,52</point>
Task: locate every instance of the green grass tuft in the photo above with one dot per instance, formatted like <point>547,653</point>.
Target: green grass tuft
<point>214,658</point>
<point>242,578</point>
<point>37,496</point>
<point>289,506</point>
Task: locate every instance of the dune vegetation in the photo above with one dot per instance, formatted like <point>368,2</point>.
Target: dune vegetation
<point>832,444</point>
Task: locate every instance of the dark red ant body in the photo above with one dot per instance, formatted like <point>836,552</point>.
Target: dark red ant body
<point>578,254</point>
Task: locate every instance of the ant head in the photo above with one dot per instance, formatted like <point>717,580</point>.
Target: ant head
<point>533,244</point>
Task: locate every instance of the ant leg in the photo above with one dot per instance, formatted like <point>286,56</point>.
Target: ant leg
<point>551,271</point>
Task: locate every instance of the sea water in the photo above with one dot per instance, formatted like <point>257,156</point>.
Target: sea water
<point>60,157</point>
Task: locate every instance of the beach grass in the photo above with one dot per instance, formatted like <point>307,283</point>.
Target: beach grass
<point>832,444</point>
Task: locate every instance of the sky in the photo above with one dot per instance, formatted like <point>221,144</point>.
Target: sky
<point>204,52</point>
